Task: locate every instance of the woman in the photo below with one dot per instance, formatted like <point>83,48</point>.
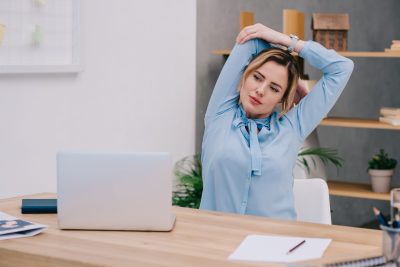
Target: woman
<point>249,149</point>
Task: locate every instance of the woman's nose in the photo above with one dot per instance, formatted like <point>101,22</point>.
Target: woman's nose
<point>260,90</point>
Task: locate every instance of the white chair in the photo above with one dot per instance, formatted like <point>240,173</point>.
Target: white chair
<point>311,200</point>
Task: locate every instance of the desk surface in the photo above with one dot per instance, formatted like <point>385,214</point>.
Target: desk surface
<point>199,238</point>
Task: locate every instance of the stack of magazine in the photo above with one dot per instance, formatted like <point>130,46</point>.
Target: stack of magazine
<point>11,227</point>
<point>390,115</point>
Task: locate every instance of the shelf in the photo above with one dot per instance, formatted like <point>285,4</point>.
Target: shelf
<point>370,54</point>
<point>355,190</point>
<point>346,53</point>
<point>221,52</point>
<point>357,123</point>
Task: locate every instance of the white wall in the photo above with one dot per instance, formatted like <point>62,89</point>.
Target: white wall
<point>136,93</point>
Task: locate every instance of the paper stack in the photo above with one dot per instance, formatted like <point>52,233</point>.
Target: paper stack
<point>390,115</point>
<point>394,47</point>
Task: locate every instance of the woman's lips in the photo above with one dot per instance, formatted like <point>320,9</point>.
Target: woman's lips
<point>254,100</point>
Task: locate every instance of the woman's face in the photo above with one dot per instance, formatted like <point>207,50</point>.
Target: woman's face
<point>263,89</point>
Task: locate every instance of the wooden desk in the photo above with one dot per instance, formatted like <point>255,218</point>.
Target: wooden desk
<point>199,239</point>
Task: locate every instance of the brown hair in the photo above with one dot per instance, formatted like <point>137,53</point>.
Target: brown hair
<point>284,58</point>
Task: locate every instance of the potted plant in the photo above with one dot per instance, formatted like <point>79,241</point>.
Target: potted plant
<point>381,169</point>
<point>325,154</point>
<point>187,192</point>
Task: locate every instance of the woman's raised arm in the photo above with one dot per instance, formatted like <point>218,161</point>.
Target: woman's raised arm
<point>225,93</point>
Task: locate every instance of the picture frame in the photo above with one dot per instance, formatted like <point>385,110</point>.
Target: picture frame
<point>40,36</point>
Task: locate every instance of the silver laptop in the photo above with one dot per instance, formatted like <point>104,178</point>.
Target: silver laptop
<point>114,191</point>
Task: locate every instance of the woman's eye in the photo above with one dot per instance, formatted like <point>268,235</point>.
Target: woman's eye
<point>256,77</point>
<point>274,89</point>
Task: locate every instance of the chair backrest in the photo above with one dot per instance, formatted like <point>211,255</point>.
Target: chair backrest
<point>311,200</point>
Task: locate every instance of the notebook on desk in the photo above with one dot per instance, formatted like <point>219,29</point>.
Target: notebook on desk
<point>366,262</point>
<point>114,191</point>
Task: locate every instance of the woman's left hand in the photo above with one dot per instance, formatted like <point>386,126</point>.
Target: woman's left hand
<point>267,34</point>
<point>259,31</point>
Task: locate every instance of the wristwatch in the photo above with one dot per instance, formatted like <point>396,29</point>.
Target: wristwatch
<point>293,42</point>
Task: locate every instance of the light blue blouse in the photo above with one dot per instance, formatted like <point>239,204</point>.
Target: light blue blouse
<point>249,173</point>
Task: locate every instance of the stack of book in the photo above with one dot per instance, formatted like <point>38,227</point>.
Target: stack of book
<point>394,47</point>
<point>390,115</point>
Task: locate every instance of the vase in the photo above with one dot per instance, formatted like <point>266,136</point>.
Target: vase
<point>380,180</point>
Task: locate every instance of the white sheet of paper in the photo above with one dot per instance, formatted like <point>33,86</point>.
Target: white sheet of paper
<point>264,248</point>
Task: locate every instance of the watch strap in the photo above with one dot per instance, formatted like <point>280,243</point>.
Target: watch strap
<point>293,42</point>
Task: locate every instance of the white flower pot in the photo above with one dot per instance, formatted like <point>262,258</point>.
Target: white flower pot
<point>380,180</point>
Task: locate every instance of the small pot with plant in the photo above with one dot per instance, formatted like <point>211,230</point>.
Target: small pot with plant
<point>381,168</point>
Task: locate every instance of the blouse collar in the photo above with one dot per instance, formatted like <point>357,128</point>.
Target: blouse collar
<point>252,135</point>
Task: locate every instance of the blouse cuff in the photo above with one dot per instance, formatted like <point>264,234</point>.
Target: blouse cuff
<point>305,49</point>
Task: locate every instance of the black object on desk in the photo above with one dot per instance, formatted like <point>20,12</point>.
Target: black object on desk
<point>30,206</point>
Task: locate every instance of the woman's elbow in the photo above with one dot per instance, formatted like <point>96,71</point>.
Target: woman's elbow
<point>348,66</point>
<point>344,68</point>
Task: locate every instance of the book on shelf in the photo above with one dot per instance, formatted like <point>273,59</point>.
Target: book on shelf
<point>394,122</point>
<point>394,47</point>
<point>394,117</point>
<point>387,111</point>
<point>397,50</point>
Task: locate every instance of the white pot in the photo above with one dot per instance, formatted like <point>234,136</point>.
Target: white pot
<point>380,180</point>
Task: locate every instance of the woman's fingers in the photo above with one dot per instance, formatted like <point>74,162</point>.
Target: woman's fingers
<point>246,33</point>
<point>247,37</point>
<point>256,31</point>
<point>250,32</point>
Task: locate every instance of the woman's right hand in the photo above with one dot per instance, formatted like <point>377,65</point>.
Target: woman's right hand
<point>260,31</point>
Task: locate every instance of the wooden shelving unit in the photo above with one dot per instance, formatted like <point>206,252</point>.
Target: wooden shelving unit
<point>355,190</point>
<point>357,123</point>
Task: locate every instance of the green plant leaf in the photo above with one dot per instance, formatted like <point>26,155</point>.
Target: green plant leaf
<point>188,191</point>
<point>327,155</point>
<point>382,161</point>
